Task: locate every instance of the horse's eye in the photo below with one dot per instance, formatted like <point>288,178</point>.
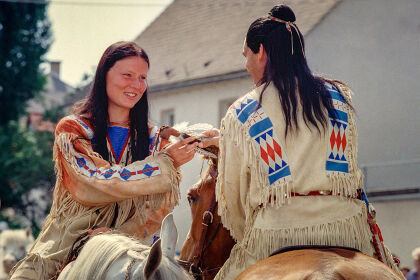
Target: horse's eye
<point>190,199</point>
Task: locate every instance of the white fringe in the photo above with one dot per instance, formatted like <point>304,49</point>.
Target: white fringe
<point>346,184</point>
<point>280,190</point>
<point>65,210</point>
<point>71,208</point>
<point>260,243</point>
<point>39,268</point>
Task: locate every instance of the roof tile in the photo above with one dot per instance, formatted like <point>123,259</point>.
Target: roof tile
<point>192,39</point>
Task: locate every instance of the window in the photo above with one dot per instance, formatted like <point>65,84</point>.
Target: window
<point>224,106</point>
<point>167,117</point>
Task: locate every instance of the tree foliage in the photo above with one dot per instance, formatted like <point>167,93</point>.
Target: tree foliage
<point>25,155</point>
<point>24,40</point>
<point>26,159</point>
<point>25,164</point>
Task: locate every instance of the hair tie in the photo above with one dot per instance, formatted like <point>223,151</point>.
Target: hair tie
<point>290,24</point>
<point>283,21</point>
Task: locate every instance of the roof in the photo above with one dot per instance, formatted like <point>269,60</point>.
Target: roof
<point>54,94</point>
<point>78,94</point>
<point>198,39</point>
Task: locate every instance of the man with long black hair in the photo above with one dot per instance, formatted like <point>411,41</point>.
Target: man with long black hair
<point>288,171</point>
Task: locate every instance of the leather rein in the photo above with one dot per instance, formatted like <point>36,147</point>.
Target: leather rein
<point>194,267</point>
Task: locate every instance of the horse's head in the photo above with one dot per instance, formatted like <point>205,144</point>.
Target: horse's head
<point>13,246</point>
<point>208,243</point>
<point>164,247</point>
<point>115,256</point>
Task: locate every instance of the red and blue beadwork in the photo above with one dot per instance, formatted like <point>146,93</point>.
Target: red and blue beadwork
<point>337,152</point>
<point>260,128</point>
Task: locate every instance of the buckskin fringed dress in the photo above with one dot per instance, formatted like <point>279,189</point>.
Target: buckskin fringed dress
<point>265,178</point>
<point>132,197</point>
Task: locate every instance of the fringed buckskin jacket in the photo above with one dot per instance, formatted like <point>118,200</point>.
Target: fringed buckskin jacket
<point>266,180</point>
<point>132,197</point>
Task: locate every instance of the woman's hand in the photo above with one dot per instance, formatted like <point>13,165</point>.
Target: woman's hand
<point>182,152</point>
<point>212,138</point>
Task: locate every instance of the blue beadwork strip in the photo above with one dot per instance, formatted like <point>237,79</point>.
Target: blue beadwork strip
<point>282,173</point>
<point>247,111</point>
<point>337,166</point>
<point>261,131</point>
<point>260,127</point>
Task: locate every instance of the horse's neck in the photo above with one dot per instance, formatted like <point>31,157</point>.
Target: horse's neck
<point>118,268</point>
<point>211,170</point>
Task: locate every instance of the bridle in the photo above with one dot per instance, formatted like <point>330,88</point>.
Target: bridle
<point>195,267</point>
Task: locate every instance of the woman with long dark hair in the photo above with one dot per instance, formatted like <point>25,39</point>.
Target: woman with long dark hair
<point>113,168</point>
<point>288,172</point>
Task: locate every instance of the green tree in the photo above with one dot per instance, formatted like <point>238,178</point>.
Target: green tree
<point>24,40</point>
<point>25,155</point>
<point>25,163</point>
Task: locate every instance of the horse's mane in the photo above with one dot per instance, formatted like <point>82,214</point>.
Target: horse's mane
<point>102,250</point>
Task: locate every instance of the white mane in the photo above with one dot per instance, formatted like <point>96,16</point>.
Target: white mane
<point>195,130</point>
<point>100,252</point>
<point>108,255</point>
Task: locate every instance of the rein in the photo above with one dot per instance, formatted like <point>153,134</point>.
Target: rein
<point>129,267</point>
<point>195,267</point>
<point>74,252</point>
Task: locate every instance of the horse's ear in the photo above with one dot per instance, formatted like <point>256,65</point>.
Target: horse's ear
<point>153,260</point>
<point>214,161</point>
<point>169,236</point>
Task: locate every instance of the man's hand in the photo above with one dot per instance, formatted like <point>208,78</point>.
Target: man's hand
<point>212,138</point>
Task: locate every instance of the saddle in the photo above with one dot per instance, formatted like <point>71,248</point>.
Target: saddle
<point>306,247</point>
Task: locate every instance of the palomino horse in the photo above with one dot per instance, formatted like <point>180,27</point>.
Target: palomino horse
<point>115,256</point>
<point>208,246</point>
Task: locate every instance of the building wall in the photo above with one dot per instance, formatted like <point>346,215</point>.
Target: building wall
<point>400,225</point>
<point>195,104</point>
<point>374,47</point>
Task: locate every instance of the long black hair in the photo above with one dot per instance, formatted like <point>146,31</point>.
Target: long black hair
<point>95,106</point>
<point>288,69</point>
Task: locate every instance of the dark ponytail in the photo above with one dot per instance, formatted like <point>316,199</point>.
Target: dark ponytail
<point>288,69</point>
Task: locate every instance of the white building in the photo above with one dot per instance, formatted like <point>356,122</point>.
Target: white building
<point>197,71</point>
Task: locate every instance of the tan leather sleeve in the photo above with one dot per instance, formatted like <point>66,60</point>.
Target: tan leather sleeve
<point>232,187</point>
<point>92,181</point>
